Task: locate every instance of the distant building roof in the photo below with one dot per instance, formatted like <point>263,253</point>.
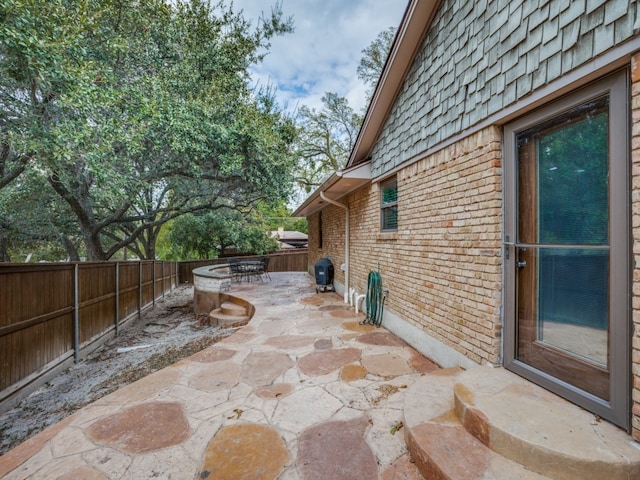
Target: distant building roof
<point>290,238</point>
<point>287,235</point>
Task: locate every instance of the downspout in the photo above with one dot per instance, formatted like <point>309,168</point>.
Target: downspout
<point>346,242</point>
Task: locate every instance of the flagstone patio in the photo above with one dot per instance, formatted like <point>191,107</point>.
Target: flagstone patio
<point>303,391</point>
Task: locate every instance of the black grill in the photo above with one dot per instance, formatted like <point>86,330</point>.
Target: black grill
<point>324,275</point>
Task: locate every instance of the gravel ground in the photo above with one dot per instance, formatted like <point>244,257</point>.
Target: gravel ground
<point>163,335</point>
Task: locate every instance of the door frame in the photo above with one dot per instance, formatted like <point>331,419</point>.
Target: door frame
<point>617,409</point>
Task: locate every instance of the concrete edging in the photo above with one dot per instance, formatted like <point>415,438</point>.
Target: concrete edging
<point>424,343</point>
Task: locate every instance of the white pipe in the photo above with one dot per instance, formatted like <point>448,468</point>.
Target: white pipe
<point>346,242</point>
<point>359,299</point>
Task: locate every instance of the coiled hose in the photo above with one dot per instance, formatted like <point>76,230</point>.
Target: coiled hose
<point>374,299</point>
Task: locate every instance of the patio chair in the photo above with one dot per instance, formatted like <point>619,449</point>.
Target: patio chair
<point>254,268</point>
<point>236,269</point>
<point>263,269</point>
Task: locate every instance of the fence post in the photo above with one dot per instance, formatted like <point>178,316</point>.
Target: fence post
<point>117,298</point>
<point>76,315</point>
<point>154,283</point>
<point>139,288</point>
<point>162,263</point>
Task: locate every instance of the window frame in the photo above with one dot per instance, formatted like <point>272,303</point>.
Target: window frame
<point>387,206</point>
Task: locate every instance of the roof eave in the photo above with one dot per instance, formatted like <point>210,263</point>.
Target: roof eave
<point>337,186</point>
<point>412,29</point>
<point>414,25</point>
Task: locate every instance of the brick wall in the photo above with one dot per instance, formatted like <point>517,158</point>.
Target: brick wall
<point>635,206</point>
<point>480,57</point>
<point>333,219</point>
<point>443,266</point>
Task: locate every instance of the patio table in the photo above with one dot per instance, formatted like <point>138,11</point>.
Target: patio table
<point>250,268</point>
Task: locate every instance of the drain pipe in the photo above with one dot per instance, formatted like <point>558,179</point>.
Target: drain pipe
<point>346,242</point>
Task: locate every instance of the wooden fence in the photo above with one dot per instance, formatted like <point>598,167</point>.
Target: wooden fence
<point>293,261</point>
<point>54,314</point>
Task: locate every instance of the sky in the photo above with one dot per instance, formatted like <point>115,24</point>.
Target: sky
<point>323,53</point>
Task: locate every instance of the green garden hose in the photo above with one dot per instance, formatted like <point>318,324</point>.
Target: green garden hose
<point>374,299</point>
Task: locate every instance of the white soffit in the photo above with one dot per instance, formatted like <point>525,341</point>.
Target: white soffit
<point>335,187</point>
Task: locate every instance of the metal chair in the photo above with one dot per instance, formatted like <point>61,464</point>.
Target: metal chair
<point>236,269</point>
<point>264,267</point>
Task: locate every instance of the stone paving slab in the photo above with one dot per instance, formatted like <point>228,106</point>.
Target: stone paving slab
<point>301,392</point>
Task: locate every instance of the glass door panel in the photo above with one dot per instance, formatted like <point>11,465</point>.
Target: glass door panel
<point>567,258</point>
<point>573,302</point>
<point>563,246</point>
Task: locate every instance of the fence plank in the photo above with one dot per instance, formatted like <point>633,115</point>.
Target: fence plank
<point>36,319</point>
<point>38,312</point>
<point>37,309</point>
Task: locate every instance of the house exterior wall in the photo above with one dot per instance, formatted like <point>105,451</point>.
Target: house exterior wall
<point>443,267</point>
<point>502,51</point>
<point>333,220</point>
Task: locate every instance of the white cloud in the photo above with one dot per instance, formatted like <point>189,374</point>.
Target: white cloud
<point>323,53</point>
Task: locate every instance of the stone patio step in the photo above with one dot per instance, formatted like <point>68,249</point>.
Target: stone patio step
<point>488,423</point>
<point>220,318</point>
<point>231,308</point>
<point>443,450</point>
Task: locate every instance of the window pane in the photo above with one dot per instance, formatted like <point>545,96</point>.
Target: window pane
<point>568,160</point>
<point>573,301</point>
<point>390,218</point>
<point>390,192</point>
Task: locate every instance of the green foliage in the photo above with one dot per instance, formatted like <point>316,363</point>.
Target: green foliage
<point>49,237</point>
<point>279,215</point>
<point>214,234</point>
<point>135,116</point>
<point>374,57</point>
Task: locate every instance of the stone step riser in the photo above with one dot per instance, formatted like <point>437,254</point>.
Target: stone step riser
<point>229,308</point>
<point>443,450</point>
<point>220,319</point>
<point>491,424</point>
<point>543,453</point>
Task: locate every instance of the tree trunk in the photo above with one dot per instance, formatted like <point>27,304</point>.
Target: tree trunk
<point>4,248</point>
<point>95,252</point>
<point>71,249</point>
<point>147,238</point>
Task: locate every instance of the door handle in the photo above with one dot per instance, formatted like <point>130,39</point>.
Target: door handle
<point>506,247</point>
<point>522,263</point>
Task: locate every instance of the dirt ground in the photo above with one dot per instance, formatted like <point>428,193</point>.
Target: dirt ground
<point>163,335</point>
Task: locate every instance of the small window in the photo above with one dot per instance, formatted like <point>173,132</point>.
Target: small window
<point>389,205</point>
